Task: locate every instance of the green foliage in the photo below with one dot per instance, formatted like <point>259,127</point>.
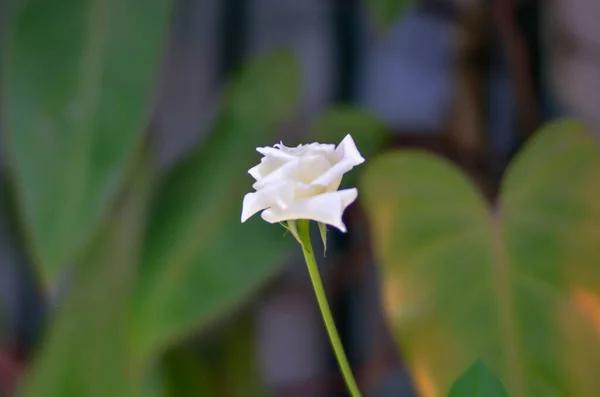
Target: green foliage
<point>384,13</point>
<point>225,365</point>
<point>77,81</point>
<point>86,350</point>
<point>477,381</point>
<point>134,291</point>
<point>156,261</point>
<point>517,285</point>
<point>198,259</point>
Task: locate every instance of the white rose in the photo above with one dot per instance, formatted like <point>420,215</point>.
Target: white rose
<point>302,183</point>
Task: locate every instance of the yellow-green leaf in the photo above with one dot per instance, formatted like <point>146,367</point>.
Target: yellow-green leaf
<point>517,285</point>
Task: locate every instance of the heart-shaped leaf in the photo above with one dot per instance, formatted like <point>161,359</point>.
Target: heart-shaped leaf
<point>199,260</point>
<point>477,381</point>
<point>517,285</point>
<point>77,81</point>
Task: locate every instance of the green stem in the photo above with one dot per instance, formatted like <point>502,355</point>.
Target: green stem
<point>303,232</point>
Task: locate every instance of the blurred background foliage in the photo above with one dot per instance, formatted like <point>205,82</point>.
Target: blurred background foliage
<point>127,128</point>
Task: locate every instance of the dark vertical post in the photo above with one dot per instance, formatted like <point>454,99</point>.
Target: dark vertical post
<point>232,30</point>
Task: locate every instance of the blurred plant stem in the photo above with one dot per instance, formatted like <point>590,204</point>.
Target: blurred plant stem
<point>304,235</point>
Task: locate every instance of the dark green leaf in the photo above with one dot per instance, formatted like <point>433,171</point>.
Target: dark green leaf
<point>477,381</point>
<point>86,349</point>
<point>199,260</point>
<point>78,79</point>
<point>224,366</point>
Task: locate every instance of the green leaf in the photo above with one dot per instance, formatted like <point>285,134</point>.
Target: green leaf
<point>225,365</point>
<point>154,382</point>
<point>517,286</point>
<point>368,132</point>
<point>184,375</point>
<point>78,78</point>
<point>323,232</point>
<point>477,381</point>
<point>85,352</point>
<point>384,13</point>
<point>199,260</point>
<point>292,228</point>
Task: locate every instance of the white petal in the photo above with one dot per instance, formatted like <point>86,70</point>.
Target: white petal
<point>259,171</point>
<point>255,172</point>
<point>253,202</point>
<point>333,176</point>
<point>320,148</point>
<point>286,149</point>
<point>280,194</point>
<point>305,190</point>
<point>302,169</point>
<point>327,208</point>
<point>311,148</point>
<point>267,166</point>
<point>347,150</point>
<point>280,174</point>
<point>311,167</point>
<point>280,155</point>
<point>349,158</point>
<point>327,147</point>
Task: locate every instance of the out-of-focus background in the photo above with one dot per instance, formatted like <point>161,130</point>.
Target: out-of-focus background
<point>127,128</point>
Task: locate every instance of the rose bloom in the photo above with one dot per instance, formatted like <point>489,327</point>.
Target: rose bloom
<point>302,183</point>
